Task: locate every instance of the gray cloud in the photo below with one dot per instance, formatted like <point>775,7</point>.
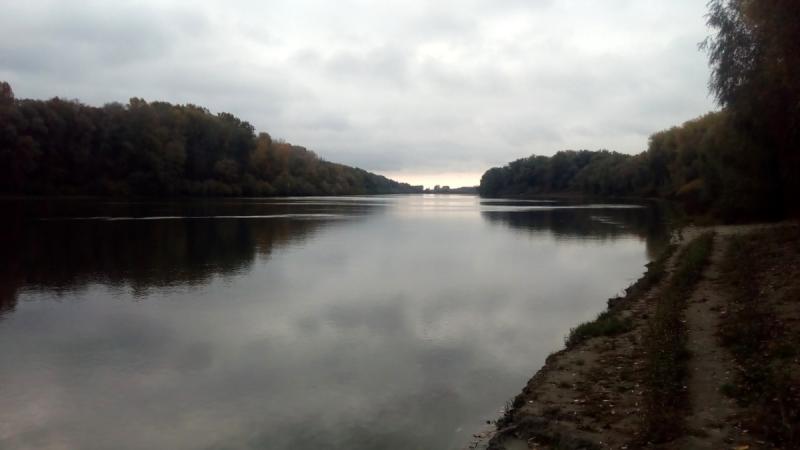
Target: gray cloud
<point>404,87</point>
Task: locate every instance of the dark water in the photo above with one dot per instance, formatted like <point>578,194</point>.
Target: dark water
<point>384,322</point>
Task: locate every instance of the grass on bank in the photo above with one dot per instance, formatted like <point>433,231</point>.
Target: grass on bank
<point>757,270</point>
<point>665,345</point>
<point>608,323</point>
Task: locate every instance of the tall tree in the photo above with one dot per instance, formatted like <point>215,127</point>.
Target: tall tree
<point>754,58</point>
<point>156,148</point>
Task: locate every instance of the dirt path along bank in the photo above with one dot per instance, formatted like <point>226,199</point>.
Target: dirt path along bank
<point>658,369</point>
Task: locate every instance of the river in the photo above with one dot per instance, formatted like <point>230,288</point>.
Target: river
<point>392,322</point>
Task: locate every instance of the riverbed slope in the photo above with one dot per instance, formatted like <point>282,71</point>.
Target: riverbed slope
<point>597,392</point>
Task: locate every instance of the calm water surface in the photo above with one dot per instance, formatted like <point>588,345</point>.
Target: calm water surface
<point>399,322</point>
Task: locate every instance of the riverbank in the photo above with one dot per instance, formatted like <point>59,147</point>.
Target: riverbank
<point>701,352</point>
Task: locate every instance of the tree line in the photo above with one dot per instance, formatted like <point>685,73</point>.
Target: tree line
<point>742,161</point>
<point>63,147</point>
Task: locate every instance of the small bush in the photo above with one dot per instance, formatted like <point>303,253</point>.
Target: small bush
<point>606,324</point>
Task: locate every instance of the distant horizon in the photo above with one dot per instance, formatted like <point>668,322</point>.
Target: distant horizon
<point>417,89</point>
<point>426,179</point>
<point>429,180</point>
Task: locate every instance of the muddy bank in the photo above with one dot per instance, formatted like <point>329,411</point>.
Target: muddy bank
<point>611,388</point>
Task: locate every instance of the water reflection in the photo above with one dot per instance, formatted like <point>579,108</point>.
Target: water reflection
<point>63,245</point>
<point>577,221</point>
<point>404,324</point>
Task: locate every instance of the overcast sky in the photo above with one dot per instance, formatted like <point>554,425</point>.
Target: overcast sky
<point>423,91</point>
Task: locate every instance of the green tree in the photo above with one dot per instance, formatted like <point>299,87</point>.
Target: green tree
<point>156,148</point>
<point>754,57</point>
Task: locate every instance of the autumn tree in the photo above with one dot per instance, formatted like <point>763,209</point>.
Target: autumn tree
<point>157,148</point>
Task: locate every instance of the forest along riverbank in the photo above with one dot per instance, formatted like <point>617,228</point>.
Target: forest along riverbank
<point>700,353</point>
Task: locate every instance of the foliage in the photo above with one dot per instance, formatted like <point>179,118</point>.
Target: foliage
<point>755,53</point>
<point>606,324</point>
<point>707,164</point>
<point>739,163</point>
<point>754,58</point>
<point>65,147</point>
<point>611,322</point>
<point>567,171</point>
